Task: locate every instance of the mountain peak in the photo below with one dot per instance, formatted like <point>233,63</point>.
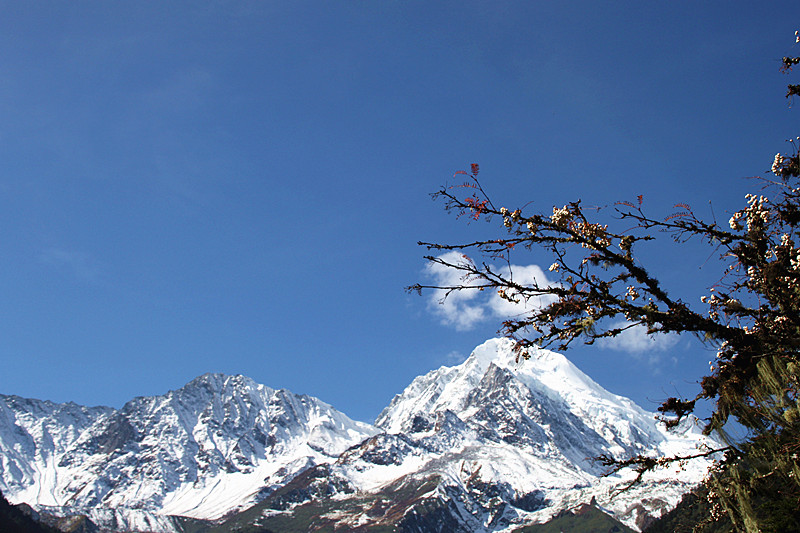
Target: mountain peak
<point>220,381</point>
<point>170,454</point>
<point>530,425</point>
<point>548,368</point>
<point>492,439</point>
<point>448,387</point>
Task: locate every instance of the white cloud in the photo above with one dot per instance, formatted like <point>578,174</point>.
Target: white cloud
<point>636,341</point>
<point>466,308</point>
<point>461,309</point>
<point>529,275</point>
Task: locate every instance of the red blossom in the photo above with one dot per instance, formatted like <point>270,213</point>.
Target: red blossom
<point>477,206</point>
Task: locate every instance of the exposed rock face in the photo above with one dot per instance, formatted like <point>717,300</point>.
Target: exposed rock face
<point>214,446</point>
<point>511,443</point>
<point>487,445</point>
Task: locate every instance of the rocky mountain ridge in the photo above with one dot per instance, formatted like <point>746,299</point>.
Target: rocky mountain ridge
<point>212,447</point>
<point>488,445</point>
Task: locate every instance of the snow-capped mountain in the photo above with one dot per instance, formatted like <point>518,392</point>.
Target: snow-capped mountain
<point>34,435</point>
<point>491,445</point>
<point>216,445</point>
<point>535,427</point>
<point>488,445</point>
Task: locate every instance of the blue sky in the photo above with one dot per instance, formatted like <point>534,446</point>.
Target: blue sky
<point>239,187</point>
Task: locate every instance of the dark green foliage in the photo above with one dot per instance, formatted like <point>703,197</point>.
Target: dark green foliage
<point>776,511</point>
<point>584,519</point>
<point>191,525</point>
<point>766,477</point>
<point>691,515</point>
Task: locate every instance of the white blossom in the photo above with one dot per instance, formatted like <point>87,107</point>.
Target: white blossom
<point>776,164</point>
<point>560,216</point>
<point>734,221</point>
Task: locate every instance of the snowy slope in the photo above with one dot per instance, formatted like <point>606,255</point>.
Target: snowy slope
<point>34,434</point>
<point>558,387</point>
<point>514,442</point>
<point>488,445</point>
<point>212,447</point>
